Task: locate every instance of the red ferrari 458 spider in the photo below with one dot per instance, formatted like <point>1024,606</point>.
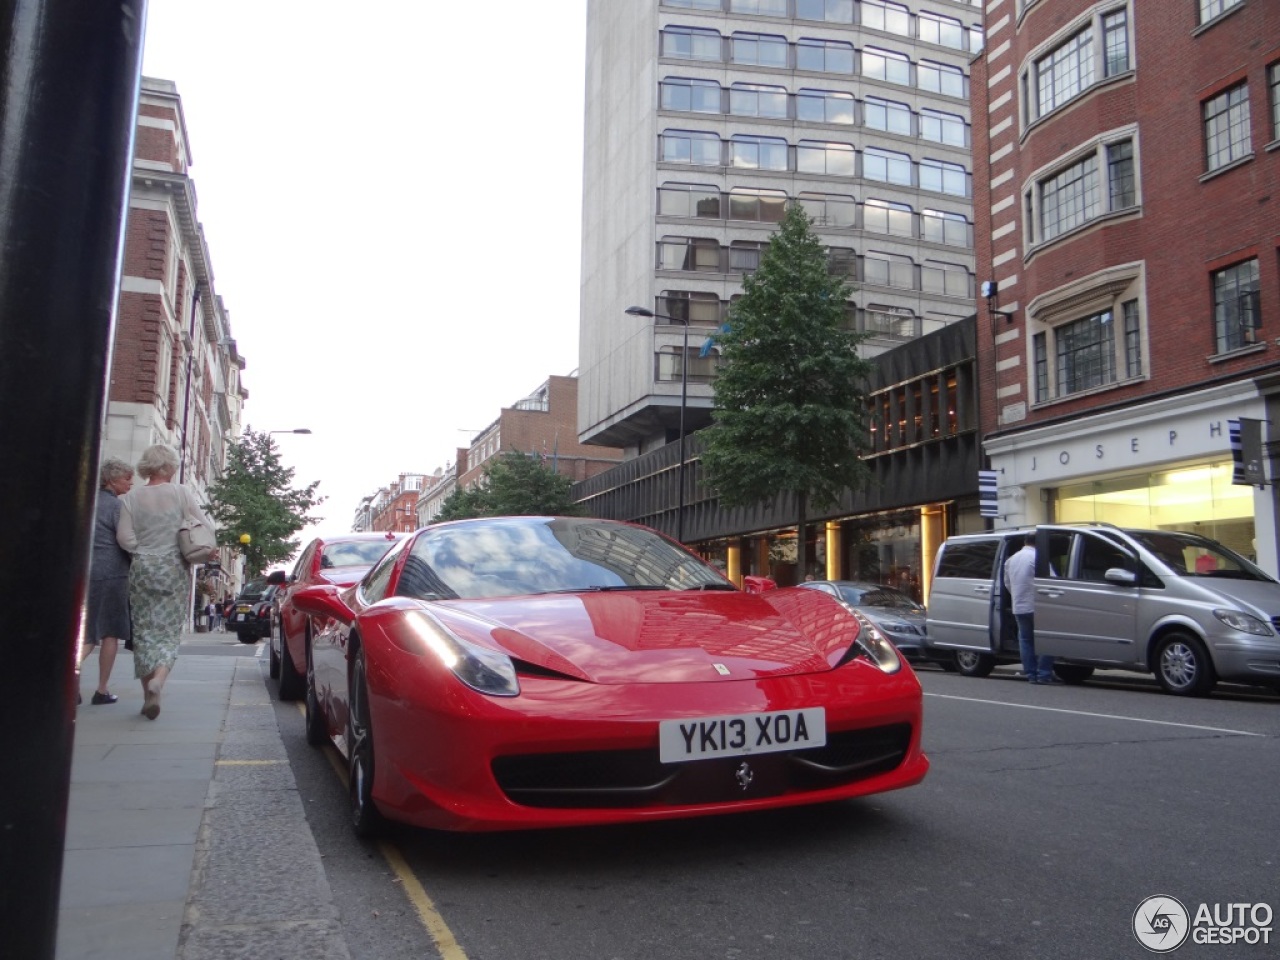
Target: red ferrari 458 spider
<point>519,672</point>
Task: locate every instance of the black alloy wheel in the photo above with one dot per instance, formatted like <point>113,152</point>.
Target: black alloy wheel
<point>972,664</point>
<point>246,636</point>
<point>317,726</point>
<point>1182,666</point>
<point>274,669</point>
<point>292,682</point>
<point>365,819</point>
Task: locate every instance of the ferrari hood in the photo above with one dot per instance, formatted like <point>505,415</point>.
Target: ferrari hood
<point>662,636</point>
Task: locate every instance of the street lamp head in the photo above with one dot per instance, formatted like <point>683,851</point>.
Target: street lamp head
<point>639,312</point>
<point>298,430</point>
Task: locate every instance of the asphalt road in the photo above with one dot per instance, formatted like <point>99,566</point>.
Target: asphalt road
<point>1049,815</point>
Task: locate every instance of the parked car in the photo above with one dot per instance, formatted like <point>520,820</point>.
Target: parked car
<point>340,560</point>
<point>1175,604</point>
<point>251,614</point>
<point>900,617</point>
<point>519,672</point>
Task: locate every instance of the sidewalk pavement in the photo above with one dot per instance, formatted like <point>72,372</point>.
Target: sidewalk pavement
<point>186,838</point>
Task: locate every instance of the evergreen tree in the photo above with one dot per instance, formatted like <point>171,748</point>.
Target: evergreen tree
<point>254,496</point>
<point>790,406</point>
<point>514,484</point>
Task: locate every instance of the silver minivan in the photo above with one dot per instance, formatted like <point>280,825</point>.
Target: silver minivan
<point>1178,605</point>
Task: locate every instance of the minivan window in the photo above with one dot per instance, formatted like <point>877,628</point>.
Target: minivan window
<point>1190,555</point>
<point>975,558</point>
<point>1097,556</point>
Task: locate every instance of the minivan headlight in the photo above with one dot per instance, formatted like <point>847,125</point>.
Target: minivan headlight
<point>1243,622</point>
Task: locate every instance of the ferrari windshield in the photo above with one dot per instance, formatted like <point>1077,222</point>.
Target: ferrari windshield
<point>353,553</point>
<point>512,556</point>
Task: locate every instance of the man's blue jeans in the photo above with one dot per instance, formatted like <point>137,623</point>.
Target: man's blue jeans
<point>1036,668</point>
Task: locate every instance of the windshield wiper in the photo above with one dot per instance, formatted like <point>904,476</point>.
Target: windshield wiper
<point>599,588</point>
<point>714,586</point>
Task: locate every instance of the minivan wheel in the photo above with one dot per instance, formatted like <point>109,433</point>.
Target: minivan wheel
<point>972,664</point>
<point>1182,666</point>
<point>1072,673</point>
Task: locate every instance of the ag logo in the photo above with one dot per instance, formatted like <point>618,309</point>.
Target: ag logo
<point>1161,924</point>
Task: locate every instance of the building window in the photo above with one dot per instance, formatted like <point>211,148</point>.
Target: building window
<point>889,321</point>
<point>948,279</point>
<point>1071,196</point>
<point>842,262</point>
<point>697,254</point>
<point>1085,353</point>
<point>697,96</point>
<point>889,17</point>
<point>744,255</point>
<point>886,166</point>
<point>691,43</point>
<point>829,210</point>
<point>887,115</point>
<point>824,106</point>
<point>758,100</point>
<point>944,31</point>
<point>827,56</point>
<point>690,146</point>
<point>693,4</point>
<point>886,65</point>
<point>1226,127</point>
<point>765,206</point>
<point>889,269</point>
<point>763,8</point>
<point>758,153</point>
<point>1273,82</point>
<point>689,200</point>
<point>831,11</point>
<point>1214,8</point>
<point>883,216</point>
<point>1132,339</point>
<point>1040,366</point>
<point>833,159</point>
<point>1072,67</point>
<point>940,78</point>
<point>942,127</point>
<point>944,177</point>
<point>691,306</point>
<point>939,226</point>
<point>700,368</point>
<point>1235,306</point>
<point>759,49</point>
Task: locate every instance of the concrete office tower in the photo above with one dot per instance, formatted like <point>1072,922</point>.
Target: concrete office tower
<point>704,119</point>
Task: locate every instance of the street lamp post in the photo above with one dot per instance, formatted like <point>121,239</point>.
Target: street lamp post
<point>684,403</point>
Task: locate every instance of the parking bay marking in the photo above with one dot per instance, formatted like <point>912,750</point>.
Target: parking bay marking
<point>423,905</point>
<point>1100,716</point>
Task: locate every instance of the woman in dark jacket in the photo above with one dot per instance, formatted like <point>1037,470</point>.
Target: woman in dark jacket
<point>107,619</point>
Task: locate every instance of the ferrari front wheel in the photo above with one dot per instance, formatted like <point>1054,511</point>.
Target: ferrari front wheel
<point>317,727</point>
<point>365,819</point>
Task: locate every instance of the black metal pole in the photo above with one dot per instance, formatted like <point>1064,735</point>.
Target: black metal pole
<point>684,403</point>
<point>69,78</point>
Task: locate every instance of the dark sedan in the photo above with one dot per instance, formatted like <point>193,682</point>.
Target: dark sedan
<point>900,617</point>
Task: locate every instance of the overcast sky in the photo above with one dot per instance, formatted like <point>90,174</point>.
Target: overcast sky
<point>391,195</point>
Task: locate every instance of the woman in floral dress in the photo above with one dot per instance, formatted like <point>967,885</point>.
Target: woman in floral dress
<point>159,580</point>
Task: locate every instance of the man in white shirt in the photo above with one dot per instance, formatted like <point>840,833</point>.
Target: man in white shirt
<point>1019,580</point>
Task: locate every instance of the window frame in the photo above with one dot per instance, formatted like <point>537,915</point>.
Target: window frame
<point>1218,123</point>
<point>1240,334</point>
<point>744,90</point>
<point>839,49</point>
<point>690,84</point>
<point>1097,162</point>
<point>1092,35</point>
<point>826,97</point>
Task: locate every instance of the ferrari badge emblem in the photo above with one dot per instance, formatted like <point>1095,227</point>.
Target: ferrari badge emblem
<point>743,775</point>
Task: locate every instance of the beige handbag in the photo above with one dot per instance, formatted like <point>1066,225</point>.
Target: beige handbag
<point>196,541</point>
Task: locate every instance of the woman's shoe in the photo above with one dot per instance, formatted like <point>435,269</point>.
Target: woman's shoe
<point>100,698</point>
<point>151,707</point>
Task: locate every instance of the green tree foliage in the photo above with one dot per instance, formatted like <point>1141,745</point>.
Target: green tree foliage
<point>514,484</point>
<point>790,406</point>
<point>254,496</point>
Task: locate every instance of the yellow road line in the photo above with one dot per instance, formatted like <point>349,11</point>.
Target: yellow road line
<point>422,903</point>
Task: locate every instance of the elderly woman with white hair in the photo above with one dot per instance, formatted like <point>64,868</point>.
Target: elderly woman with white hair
<point>158,579</point>
<point>107,616</point>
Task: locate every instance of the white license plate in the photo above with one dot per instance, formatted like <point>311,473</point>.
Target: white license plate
<point>736,736</point>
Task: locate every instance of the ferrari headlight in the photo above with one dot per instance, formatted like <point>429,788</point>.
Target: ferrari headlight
<point>481,669</point>
<point>876,645</point>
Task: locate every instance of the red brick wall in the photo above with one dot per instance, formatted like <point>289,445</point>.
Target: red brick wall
<point>1187,226</point>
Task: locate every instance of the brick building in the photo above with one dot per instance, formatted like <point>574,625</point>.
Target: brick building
<point>395,507</point>
<point>1126,181</point>
<point>175,372</point>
